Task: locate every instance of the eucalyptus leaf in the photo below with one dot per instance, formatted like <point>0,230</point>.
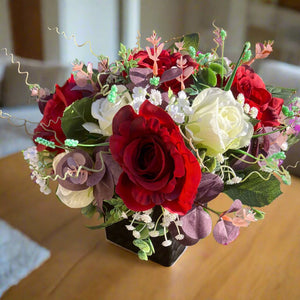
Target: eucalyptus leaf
<point>75,115</point>
<point>255,191</point>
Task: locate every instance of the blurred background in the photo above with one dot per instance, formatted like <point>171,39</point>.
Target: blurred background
<point>24,25</point>
<point>48,56</point>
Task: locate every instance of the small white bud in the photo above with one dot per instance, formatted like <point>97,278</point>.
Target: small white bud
<point>136,234</point>
<point>167,243</point>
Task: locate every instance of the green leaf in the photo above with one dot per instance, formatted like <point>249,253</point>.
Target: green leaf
<point>211,163</point>
<point>217,68</point>
<point>208,76</point>
<point>112,219</point>
<point>144,233</point>
<point>89,210</point>
<point>75,115</point>
<point>280,92</point>
<point>142,245</point>
<point>255,191</point>
<point>142,255</point>
<point>150,245</point>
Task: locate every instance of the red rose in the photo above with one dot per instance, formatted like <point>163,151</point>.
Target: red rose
<point>166,61</point>
<point>253,88</point>
<point>158,169</point>
<point>49,127</point>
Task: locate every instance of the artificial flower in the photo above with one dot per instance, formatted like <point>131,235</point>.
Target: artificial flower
<point>256,95</point>
<point>74,171</point>
<point>49,127</point>
<point>104,111</point>
<point>75,199</point>
<point>158,169</point>
<point>218,122</point>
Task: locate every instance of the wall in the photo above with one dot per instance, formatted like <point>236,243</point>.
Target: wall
<point>5,34</point>
<point>242,19</point>
<point>172,18</point>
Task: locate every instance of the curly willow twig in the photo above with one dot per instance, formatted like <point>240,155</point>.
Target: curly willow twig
<point>30,85</point>
<point>72,37</point>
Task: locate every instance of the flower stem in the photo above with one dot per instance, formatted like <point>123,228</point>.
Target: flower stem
<point>230,81</point>
<point>210,209</point>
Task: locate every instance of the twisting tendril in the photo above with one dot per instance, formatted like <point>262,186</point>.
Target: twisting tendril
<point>72,37</point>
<point>13,61</point>
<point>10,118</point>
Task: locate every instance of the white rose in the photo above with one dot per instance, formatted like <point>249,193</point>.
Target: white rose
<point>73,199</point>
<point>218,122</point>
<point>104,111</point>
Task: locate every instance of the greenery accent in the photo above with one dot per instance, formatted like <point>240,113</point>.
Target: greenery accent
<point>255,191</point>
<point>217,68</point>
<point>145,246</point>
<point>259,215</point>
<point>230,81</point>
<point>208,76</point>
<point>75,115</point>
<point>280,92</point>
<point>114,214</point>
<point>89,210</point>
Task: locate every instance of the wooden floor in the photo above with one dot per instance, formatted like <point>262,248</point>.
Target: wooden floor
<point>263,263</point>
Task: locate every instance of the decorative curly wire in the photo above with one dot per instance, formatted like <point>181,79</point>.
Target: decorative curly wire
<point>9,118</point>
<point>13,61</point>
<point>72,37</point>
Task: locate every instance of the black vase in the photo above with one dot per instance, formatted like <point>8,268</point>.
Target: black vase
<point>165,256</point>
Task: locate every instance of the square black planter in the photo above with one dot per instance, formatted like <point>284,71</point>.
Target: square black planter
<point>165,256</point>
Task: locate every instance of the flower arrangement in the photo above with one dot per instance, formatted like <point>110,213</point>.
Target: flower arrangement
<point>165,130</point>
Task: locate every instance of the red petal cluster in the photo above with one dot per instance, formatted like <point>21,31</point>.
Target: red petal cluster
<point>158,169</point>
<point>256,95</point>
<point>49,127</point>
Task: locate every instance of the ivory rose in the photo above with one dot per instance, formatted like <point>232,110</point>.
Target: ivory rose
<point>104,111</point>
<point>218,122</point>
<point>75,199</point>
